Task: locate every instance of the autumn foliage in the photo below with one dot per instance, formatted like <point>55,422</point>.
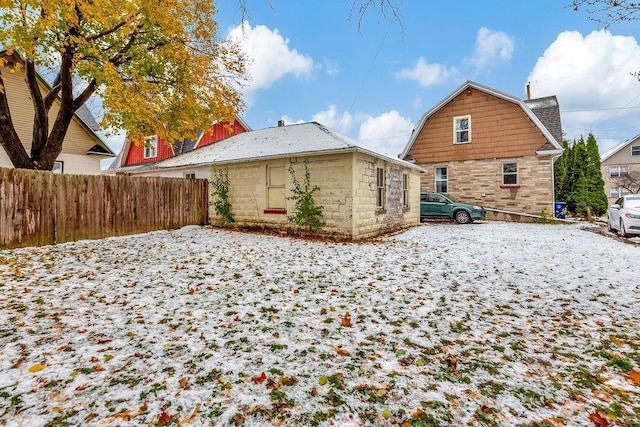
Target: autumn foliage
<point>158,66</point>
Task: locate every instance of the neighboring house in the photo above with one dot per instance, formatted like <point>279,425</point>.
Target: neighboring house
<point>484,146</point>
<point>82,148</point>
<point>363,193</point>
<point>621,169</point>
<point>155,149</point>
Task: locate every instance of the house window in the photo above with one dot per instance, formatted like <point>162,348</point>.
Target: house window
<point>58,167</point>
<point>509,174</point>
<point>150,146</point>
<point>618,192</point>
<point>275,188</point>
<point>635,150</point>
<point>617,171</point>
<point>380,184</point>
<point>405,190</point>
<point>190,175</point>
<point>461,129</point>
<point>441,180</point>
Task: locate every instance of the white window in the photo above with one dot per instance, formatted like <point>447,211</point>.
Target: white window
<point>275,188</point>
<point>405,190</point>
<point>461,129</point>
<point>150,146</point>
<point>509,174</point>
<point>190,175</point>
<point>618,192</point>
<point>58,167</point>
<point>635,150</point>
<point>616,171</point>
<point>380,185</point>
<point>441,180</point>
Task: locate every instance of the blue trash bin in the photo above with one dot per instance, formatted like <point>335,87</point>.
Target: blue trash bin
<point>560,210</point>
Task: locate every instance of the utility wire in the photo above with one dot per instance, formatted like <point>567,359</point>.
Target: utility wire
<point>614,113</point>
<point>367,73</point>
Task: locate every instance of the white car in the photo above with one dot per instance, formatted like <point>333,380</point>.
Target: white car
<point>624,215</point>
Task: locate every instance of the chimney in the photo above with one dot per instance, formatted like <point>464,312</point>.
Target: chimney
<point>528,91</point>
<point>280,123</point>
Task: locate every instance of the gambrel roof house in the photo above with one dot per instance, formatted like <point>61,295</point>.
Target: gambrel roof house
<point>621,168</point>
<point>363,193</point>
<point>133,157</point>
<point>487,147</point>
<point>82,148</point>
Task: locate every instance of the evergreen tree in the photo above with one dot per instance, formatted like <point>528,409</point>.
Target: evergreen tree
<point>577,188</point>
<point>560,173</point>
<point>597,198</point>
<point>579,179</point>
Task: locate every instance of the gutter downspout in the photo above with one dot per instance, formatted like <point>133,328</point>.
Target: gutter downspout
<point>553,182</point>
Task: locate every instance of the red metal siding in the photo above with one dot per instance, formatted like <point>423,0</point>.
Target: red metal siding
<point>136,154</point>
<point>218,132</point>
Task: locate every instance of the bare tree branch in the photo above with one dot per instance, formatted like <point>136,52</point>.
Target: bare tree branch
<point>608,12</point>
<point>629,181</point>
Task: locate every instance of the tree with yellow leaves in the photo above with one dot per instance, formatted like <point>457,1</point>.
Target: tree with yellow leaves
<point>158,66</point>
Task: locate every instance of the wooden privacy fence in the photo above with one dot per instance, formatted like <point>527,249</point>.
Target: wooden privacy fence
<point>41,208</point>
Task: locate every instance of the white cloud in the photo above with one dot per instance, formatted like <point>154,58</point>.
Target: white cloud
<point>331,119</point>
<point>417,102</point>
<point>269,56</point>
<point>427,74</point>
<point>592,74</point>
<point>331,67</point>
<point>289,121</point>
<point>491,48</point>
<point>387,133</point>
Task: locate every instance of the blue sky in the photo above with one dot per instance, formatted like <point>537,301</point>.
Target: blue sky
<point>308,61</point>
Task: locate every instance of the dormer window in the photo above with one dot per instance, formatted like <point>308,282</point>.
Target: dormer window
<point>462,129</point>
<point>150,146</point>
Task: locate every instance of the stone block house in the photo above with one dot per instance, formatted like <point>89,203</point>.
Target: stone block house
<point>82,147</point>
<point>621,169</point>
<point>486,147</point>
<point>363,193</point>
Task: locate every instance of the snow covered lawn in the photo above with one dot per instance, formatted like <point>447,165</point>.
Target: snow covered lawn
<point>486,324</point>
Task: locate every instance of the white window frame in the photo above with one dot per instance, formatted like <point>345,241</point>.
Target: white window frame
<point>190,175</point>
<point>458,130</point>
<point>444,182</point>
<point>150,146</point>
<point>618,171</point>
<point>635,150</point>
<point>510,173</point>
<point>58,167</point>
<point>380,187</point>
<point>405,190</point>
<point>617,192</point>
